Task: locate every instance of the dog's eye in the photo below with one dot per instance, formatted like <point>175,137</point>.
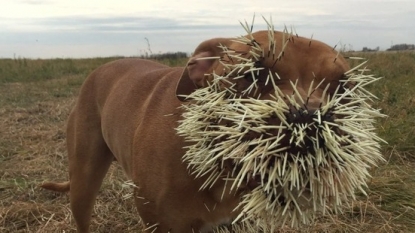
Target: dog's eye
<point>258,64</point>
<point>248,77</point>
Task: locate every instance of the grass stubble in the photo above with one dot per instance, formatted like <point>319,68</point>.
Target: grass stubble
<point>37,95</point>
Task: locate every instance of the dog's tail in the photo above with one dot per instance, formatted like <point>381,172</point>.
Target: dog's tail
<point>57,187</point>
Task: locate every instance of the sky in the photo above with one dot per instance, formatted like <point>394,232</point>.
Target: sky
<point>101,28</point>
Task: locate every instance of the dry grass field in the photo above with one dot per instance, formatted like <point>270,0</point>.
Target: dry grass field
<point>37,95</point>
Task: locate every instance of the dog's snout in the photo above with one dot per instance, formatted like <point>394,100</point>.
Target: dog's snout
<point>300,116</point>
<point>308,116</point>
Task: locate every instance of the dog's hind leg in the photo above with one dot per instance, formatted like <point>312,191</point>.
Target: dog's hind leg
<point>89,160</point>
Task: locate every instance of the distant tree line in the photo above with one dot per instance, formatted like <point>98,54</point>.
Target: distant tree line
<point>163,56</point>
<point>399,47</point>
<point>366,49</point>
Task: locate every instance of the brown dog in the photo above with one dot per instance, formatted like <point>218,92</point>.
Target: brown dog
<point>128,110</point>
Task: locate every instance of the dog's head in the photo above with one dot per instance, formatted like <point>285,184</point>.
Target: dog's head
<point>284,118</point>
<point>288,58</point>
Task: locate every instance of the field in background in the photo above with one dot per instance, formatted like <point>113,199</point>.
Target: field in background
<point>37,95</point>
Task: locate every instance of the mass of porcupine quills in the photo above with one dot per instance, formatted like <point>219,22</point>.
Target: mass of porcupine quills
<point>296,182</point>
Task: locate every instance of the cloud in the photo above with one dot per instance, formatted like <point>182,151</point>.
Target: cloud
<point>181,25</point>
<point>114,24</point>
<point>34,2</point>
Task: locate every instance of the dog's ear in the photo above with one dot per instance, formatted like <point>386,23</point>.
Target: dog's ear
<point>193,75</point>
